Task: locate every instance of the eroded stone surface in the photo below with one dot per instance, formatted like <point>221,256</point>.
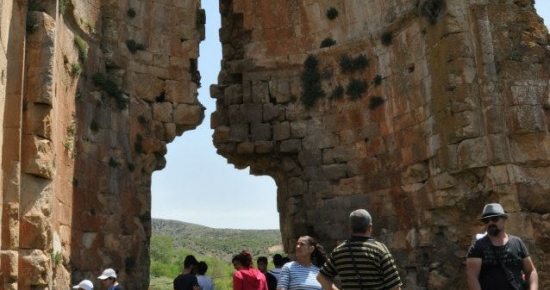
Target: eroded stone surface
<point>463,122</point>
<point>89,98</point>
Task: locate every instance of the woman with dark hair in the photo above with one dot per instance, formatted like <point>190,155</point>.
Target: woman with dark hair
<point>246,277</point>
<point>302,273</point>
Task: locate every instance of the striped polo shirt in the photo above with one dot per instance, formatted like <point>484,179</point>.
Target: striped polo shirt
<point>375,266</point>
<point>297,277</point>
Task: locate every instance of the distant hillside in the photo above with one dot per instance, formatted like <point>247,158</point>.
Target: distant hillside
<point>219,243</point>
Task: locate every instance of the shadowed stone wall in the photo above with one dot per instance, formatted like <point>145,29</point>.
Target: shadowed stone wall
<point>419,111</point>
<point>90,94</point>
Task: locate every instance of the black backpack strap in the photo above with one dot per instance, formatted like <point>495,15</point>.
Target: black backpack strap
<point>357,275</point>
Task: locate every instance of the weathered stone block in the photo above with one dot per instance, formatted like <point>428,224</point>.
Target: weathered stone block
<point>334,171</point>
<point>291,146</point>
<point>39,157</point>
<point>272,112</point>
<point>298,129</point>
<point>188,114</point>
<point>280,90</point>
<point>260,132</point>
<point>262,147</point>
<point>233,95</point>
<point>260,92</point>
<point>239,133</point>
<point>526,119</point>
<point>245,148</point>
<point>281,131</point>
<point>467,125</point>
<point>162,112</point>
<point>338,155</point>
<point>473,153</point>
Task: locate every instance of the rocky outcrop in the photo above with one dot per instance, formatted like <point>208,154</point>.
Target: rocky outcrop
<point>419,111</point>
<point>90,94</point>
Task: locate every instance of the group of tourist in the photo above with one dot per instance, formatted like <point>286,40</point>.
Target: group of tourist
<point>108,281</point>
<point>495,261</point>
<point>361,262</point>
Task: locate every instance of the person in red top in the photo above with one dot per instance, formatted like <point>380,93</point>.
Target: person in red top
<point>246,277</point>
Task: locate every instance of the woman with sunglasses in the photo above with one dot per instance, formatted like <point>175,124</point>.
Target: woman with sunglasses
<point>302,273</point>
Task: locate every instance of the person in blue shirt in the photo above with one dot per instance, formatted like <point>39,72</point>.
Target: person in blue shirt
<point>302,273</point>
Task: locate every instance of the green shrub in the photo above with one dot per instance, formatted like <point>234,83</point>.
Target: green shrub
<point>131,167</point>
<point>78,95</point>
<point>327,74</point>
<point>98,79</point>
<point>375,101</point>
<point>35,6</point>
<point>356,88</point>
<point>377,80</point>
<point>94,126</point>
<point>515,55</point>
<point>57,258</point>
<point>431,10</point>
<point>337,92</point>
<point>327,42</point>
<point>142,120</point>
<point>32,23</point>
<point>75,69</point>
<point>348,64</point>
<point>112,89</point>
<point>63,6</point>
<point>386,38</point>
<point>113,163</point>
<point>138,145</point>
<point>82,48</point>
<point>311,82</point>
<point>133,46</point>
<point>332,13</point>
<point>131,13</point>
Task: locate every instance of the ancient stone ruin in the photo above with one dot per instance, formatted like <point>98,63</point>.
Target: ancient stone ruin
<point>420,111</point>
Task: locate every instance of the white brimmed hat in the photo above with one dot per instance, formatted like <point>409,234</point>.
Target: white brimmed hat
<point>493,209</point>
<point>84,284</point>
<point>107,273</point>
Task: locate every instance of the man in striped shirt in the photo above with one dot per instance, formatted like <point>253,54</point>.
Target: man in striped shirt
<point>361,262</point>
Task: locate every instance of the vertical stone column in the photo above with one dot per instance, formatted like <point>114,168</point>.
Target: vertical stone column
<point>12,35</point>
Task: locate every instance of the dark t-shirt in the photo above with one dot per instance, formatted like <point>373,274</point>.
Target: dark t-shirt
<point>492,275</point>
<point>185,282</point>
<point>271,281</point>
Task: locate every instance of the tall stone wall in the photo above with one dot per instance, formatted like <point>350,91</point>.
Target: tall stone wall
<point>419,111</point>
<point>90,94</point>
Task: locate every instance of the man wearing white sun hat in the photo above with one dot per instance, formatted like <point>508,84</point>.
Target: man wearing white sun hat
<point>108,280</point>
<point>84,285</point>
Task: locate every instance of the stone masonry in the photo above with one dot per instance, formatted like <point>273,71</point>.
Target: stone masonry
<point>445,109</point>
<point>90,94</point>
<point>420,111</point>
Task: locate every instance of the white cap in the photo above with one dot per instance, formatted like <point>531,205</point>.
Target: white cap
<point>84,284</point>
<point>107,273</point>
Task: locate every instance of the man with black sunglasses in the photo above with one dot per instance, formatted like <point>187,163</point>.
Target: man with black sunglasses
<point>499,261</point>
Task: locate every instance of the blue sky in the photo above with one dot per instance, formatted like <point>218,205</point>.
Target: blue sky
<point>198,186</point>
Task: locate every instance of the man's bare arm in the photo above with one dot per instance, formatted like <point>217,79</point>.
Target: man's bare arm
<point>473,267</point>
<point>326,283</point>
<point>531,274</point>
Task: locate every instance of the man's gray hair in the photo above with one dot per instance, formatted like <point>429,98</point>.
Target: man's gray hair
<point>359,220</point>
